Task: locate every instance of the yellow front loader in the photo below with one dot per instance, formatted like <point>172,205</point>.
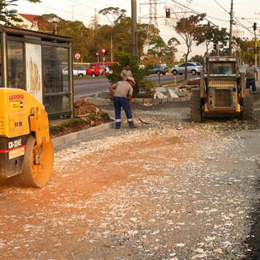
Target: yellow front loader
<point>26,150</point>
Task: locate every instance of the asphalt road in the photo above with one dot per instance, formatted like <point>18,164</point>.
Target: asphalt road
<point>90,86</point>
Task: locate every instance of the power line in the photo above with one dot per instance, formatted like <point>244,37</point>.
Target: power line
<point>193,11</point>
<point>221,6</point>
<point>243,26</point>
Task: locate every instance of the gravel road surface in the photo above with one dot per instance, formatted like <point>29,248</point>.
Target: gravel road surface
<point>168,190</point>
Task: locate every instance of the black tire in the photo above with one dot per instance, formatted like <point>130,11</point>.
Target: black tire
<point>164,73</point>
<point>80,75</point>
<point>196,106</point>
<point>93,75</point>
<point>174,72</point>
<point>158,73</point>
<point>248,108</point>
<point>194,72</point>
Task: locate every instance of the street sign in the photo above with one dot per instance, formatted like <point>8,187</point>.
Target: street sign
<point>77,56</point>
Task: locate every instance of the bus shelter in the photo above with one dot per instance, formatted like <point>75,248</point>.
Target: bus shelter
<point>40,63</point>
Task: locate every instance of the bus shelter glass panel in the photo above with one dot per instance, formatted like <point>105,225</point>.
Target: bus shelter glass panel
<point>15,65</point>
<point>56,79</point>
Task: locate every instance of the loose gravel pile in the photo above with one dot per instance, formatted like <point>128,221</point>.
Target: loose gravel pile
<point>170,190</point>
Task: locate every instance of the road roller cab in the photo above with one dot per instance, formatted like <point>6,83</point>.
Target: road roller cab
<point>26,150</point>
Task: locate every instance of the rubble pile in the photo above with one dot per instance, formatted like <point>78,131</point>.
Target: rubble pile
<point>83,107</point>
<point>86,115</point>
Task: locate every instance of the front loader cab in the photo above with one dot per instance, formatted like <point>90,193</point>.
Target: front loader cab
<point>222,91</point>
<point>221,66</point>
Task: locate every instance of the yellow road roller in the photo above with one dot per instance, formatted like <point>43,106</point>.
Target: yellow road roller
<point>26,149</point>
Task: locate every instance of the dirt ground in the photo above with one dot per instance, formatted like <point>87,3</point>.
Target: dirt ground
<point>168,190</point>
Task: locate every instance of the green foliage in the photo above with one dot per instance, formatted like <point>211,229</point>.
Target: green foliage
<point>160,49</point>
<point>116,13</point>
<point>146,85</point>
<point>70,123</point>
<point>124,58</point>
<point>187,29</point>
<point>139,74</point>
<point>208,33</point>
<point>6,14</point>
<point>89,41</point>
<point>197,58</point>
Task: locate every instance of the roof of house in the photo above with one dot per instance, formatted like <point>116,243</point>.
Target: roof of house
<point>29,17</point>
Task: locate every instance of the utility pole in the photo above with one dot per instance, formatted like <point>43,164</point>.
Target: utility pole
<point>255,28</point>
<point>111,48</point>
<point>134,29</point>
<point>230,30</point>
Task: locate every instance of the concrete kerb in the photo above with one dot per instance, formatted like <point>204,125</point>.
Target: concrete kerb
<point>142,101</point>
<point>65,139</point>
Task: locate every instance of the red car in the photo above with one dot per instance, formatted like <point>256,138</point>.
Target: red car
<point>99,68</point>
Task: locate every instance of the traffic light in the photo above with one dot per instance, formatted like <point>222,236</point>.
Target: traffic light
<point>168,12</point>
<point>254,26</point>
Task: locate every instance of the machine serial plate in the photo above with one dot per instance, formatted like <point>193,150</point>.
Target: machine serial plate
<point>16,153</point>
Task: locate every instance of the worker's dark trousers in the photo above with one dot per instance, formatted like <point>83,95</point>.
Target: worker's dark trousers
<point>122,102</point>
<point>249,83</point>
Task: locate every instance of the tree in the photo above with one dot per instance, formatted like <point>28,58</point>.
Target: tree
<point>115,12</point>
<point>248,47</point>
<point>80,34</point>
<point>159,48</point>
<point>139,74</point>
<point>208,33</point>
<point>173,43</point>
<point>197,58</point>
<point>187,29</point>
<point>6,14</point>
<point>118,35</point>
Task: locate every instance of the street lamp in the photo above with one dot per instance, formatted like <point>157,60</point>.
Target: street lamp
<point>97,54</point>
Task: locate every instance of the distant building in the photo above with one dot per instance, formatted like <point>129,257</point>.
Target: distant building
<point>29,21</point>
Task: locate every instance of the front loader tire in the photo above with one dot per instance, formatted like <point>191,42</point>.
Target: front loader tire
<point>248,108</point>
<point>196,107</point>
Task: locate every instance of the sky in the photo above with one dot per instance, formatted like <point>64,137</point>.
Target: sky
<point>246,12</point>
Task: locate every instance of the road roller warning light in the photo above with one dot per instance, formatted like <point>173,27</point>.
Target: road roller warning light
<point>26,149</point>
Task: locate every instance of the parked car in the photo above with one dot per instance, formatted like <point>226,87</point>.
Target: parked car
<point>193,67</point>
<point>157,69</point>
<point>99,68</point>
<point>77,71</point>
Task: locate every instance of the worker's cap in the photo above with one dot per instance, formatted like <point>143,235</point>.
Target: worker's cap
<point>131,79</point>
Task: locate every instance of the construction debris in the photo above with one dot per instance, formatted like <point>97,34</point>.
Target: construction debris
<point>85,107</point>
